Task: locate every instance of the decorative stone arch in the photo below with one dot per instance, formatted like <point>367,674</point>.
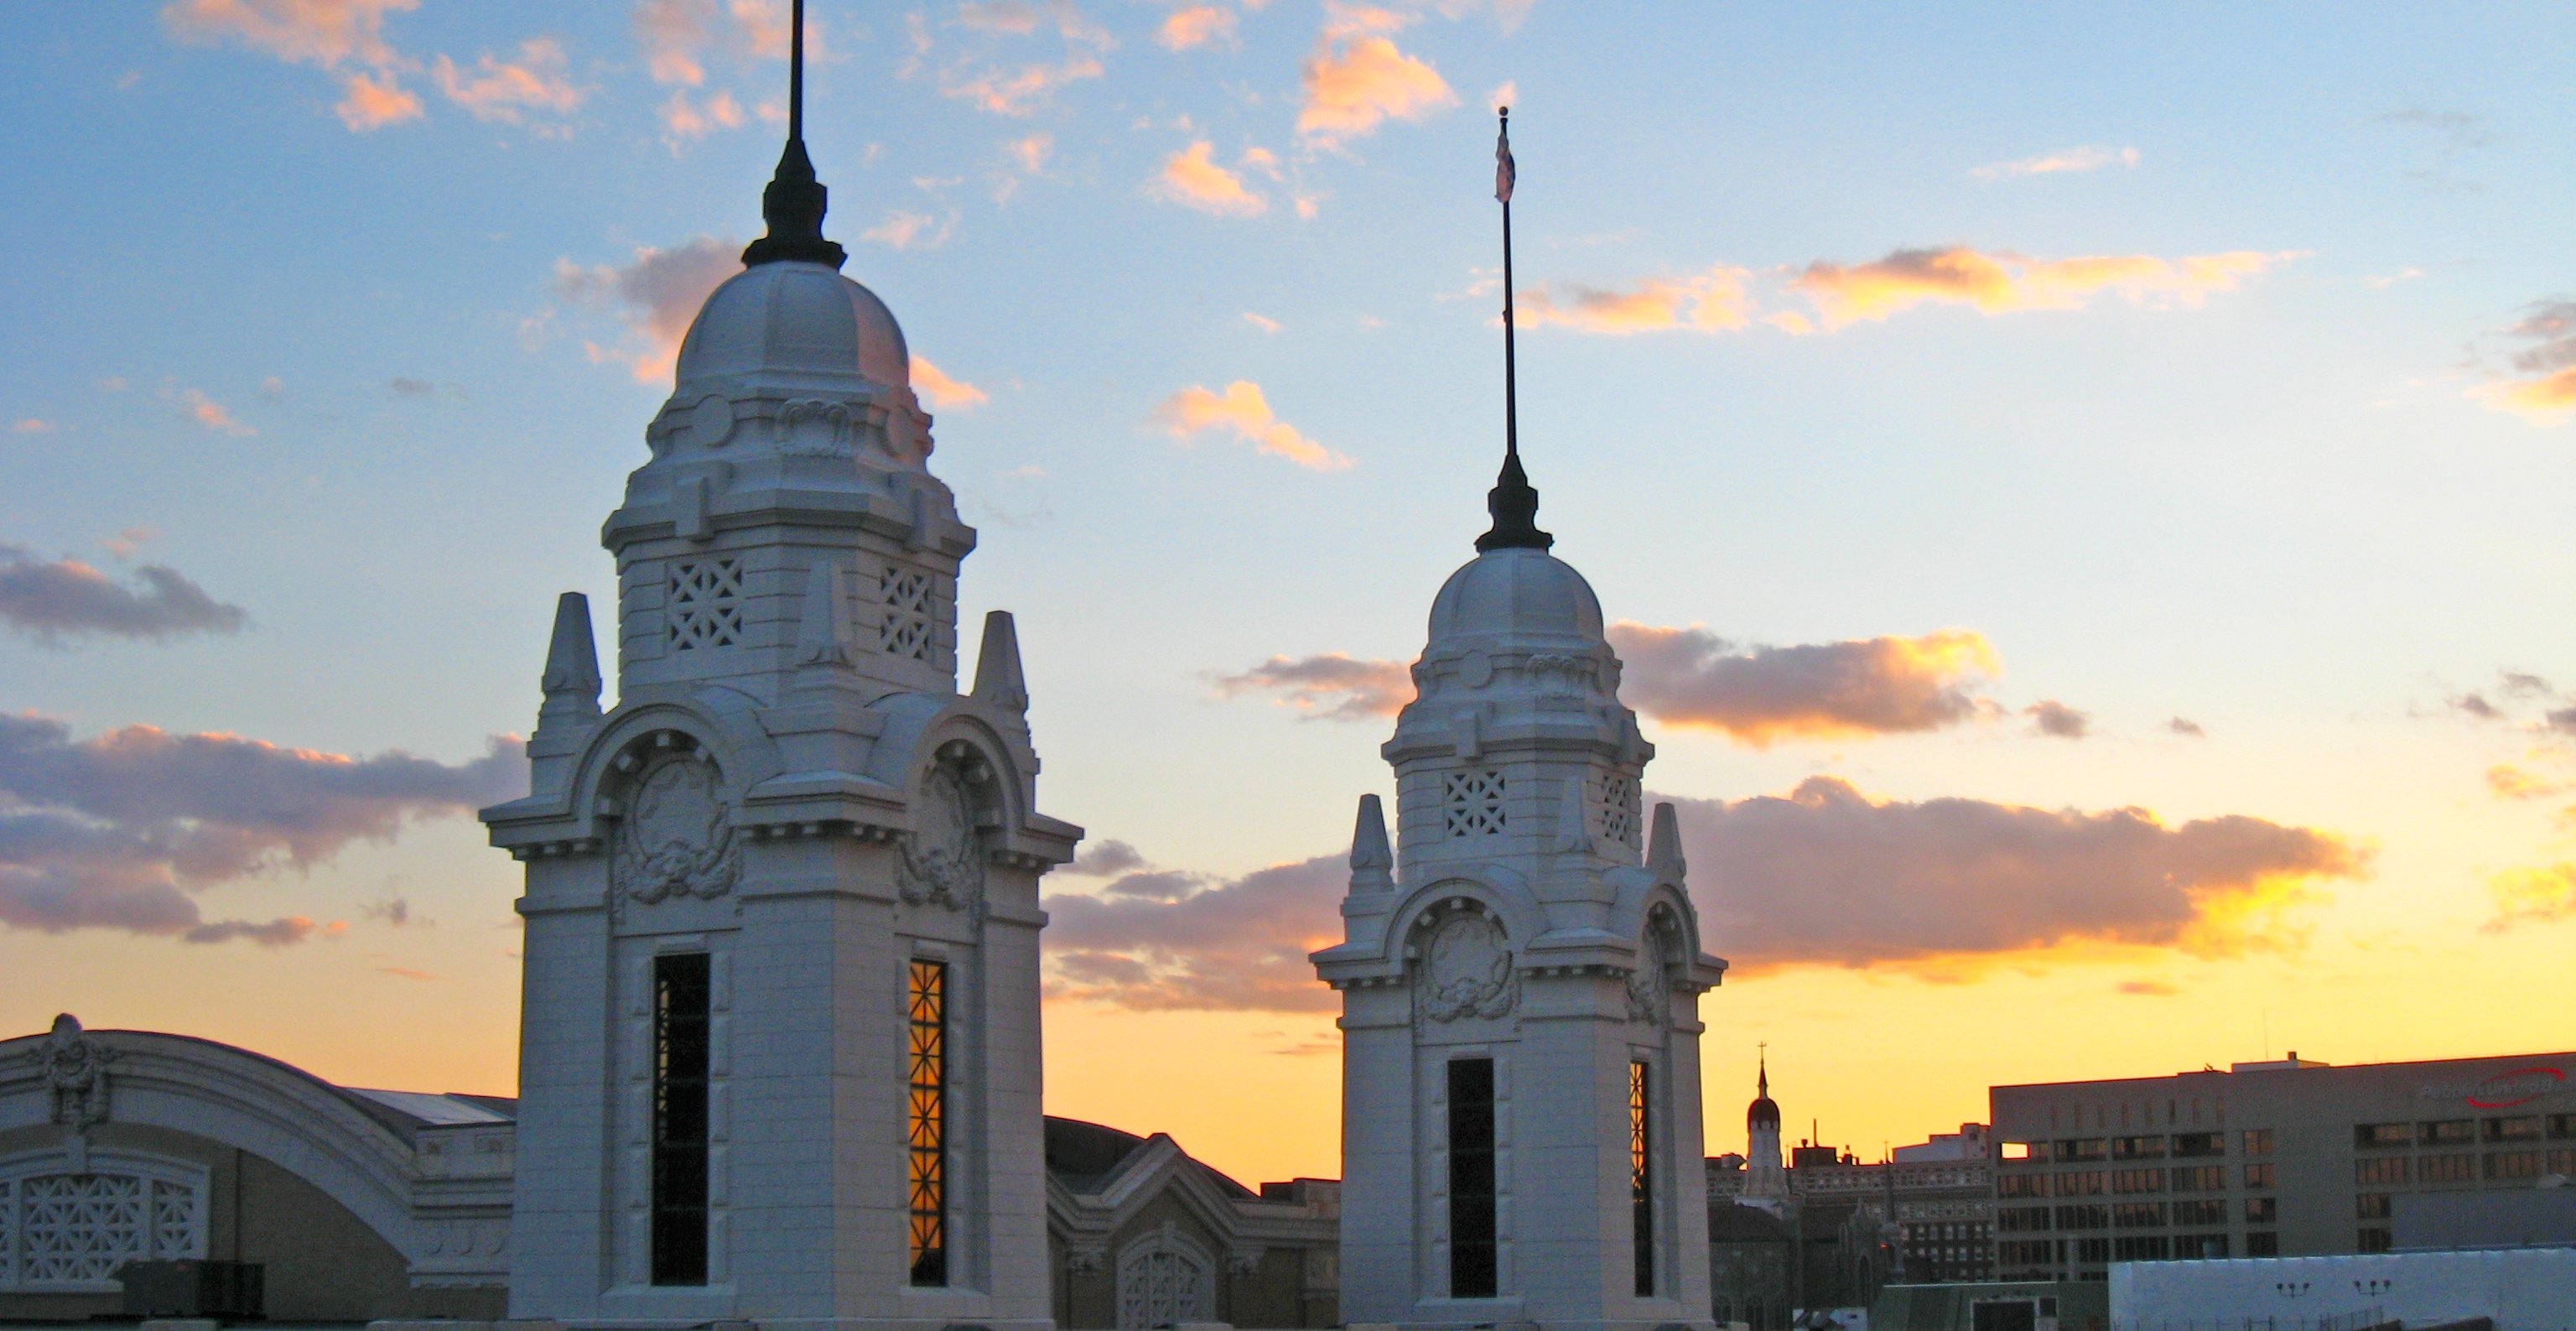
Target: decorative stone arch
<point>716,724</point>
<point>238,1099</point>
<point>1165,1278</point>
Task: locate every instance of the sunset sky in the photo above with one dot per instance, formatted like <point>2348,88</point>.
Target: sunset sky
<point>2085,495</point>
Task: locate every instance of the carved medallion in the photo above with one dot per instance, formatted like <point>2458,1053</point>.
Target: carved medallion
<point>1466,971</point>
<point>676,841</point>
<point>941,860</point>
<point>817,427</point>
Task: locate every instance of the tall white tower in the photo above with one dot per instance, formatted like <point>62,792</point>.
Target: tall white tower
<point>780,1051</point>
<point>1521,1135</point>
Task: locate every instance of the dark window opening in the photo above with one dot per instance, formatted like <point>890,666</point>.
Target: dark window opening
<point>1472,1273</point>
<point>679,1218</point>
<point>926,1120</point>
<point>1641,1177</point>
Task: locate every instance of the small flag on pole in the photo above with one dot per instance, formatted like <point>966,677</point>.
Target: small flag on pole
<point>1504,171</point>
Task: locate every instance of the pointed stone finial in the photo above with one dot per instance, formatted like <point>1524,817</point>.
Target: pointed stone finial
<point>823,637</point>
<point>794,203</point>
<point>571,681</point>
<point>1372,861</point>
<point>997,664</point>
<point>1664,844</point>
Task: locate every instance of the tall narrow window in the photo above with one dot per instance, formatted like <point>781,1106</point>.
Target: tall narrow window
<point>680,1119</point>
<point>1471,1178</point>
<point>1641,1176</point>
<point>926,1120</point>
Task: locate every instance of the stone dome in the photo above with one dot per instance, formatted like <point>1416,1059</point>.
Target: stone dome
<point>1762,1113</point>
<point>1516,593</point>
<point>797,319</point>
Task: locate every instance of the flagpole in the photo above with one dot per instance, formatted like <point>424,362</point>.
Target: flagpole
<point>1511,372</point>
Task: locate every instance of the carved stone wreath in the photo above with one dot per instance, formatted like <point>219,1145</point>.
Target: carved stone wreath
<point>941,860</point>
<point>676,841</point>
<point>1465,971</point>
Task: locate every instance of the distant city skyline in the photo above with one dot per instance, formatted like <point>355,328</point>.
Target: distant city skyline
<point>2082,500</point>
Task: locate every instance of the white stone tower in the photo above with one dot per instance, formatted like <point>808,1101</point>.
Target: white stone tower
<point>779,1050</point>
<point>1521,1134</point>
<point>1765,1185</point>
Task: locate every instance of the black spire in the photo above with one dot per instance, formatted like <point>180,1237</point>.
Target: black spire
<point>793,204</point>
<point>1512,501</point>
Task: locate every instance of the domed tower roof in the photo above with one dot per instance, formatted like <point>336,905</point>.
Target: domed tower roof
<point>1518,594</point>
<point>1763,1112</point>
<point>793,319</point>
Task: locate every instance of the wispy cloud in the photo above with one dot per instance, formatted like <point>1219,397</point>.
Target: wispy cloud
<point>904,229</point>
<point>2531,895</point>
<point>1330,686</point>
<point>1712,301</point>
<point>1357,79</point>
<point>658,292</point>
<point>1243,410</point>
<point>2063,160</point>
<point>2543,389</point>
<point>32,425</point>
<point>942,392</point>
<point>1024,91</point>
<point>65,598</point>
<point>2003,283</point>
<point>1197,25</point>
<point>1262,322</point>
<point>507,90</point>
<point>2056,720</point>
<point>329,34</point>
<point>1760,695</point>
<point>687,119</point>
<point>118,831</point>
<point>367,104</point>
<point>1191,179</point>
<point>209,413</point>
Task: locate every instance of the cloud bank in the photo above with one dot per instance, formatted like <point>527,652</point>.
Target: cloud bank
<point>1758,695</point>
<point>1821,876</point>
<point>2544,390</point>
<point>116,831</point>
<point>66,598</point>
<point>1334,685</point>
<point>1158,941</point>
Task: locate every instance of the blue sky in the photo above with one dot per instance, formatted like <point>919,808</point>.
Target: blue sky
<point>376,387</point>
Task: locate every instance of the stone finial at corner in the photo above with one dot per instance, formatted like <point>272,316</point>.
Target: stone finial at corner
<point>1664,844</point>
<point>571,680</point>
<point>997,664</point>
<point>823,631</point>
<point>1372,862</point>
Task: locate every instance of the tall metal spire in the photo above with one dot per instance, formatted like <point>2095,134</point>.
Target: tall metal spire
<point>794,202</point>
<point>1512,502</point>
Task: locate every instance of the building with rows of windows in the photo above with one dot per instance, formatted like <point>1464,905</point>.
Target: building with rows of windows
<point>2292,1157</point>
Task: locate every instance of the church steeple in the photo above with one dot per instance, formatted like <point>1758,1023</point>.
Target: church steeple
<point>793,204</point>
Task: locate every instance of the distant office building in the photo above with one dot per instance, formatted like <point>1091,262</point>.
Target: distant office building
<point>2284,1158</point>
